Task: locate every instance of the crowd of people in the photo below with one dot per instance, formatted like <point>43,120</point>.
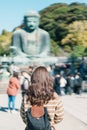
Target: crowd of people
<point>37,92</point>
<point>41,86</point>
<point>69,78</point>
<point>68,84</point>
<point>45,86</point>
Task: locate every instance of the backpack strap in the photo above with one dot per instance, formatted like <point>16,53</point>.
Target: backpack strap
<point>47,123</point>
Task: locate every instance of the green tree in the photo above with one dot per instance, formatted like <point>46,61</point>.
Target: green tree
<point>77,35</point>
<point>5,41</point>
<point>54,48</point>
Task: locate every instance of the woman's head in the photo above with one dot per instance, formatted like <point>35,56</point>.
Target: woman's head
<point>41,88</point>
<point>15,74</point>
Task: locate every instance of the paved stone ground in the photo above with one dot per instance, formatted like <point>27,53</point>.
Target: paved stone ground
<point>11,121</point>
<point>76,105</point>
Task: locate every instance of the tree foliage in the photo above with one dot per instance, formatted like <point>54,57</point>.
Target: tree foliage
<point>66,24</point>
<point>76,38</point>
<point>5,41</point>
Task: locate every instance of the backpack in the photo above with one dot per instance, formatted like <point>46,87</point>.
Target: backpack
<point>38,124</point>
<point>78,82</point>
<point>25,84</point>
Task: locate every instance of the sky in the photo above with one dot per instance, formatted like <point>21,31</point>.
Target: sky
<point>12,11</point>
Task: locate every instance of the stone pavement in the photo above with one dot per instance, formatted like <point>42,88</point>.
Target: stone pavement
<point>75,106</point>
<point>9,121</point>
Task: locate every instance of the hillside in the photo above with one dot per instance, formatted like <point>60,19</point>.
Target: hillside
<point>67,26</point>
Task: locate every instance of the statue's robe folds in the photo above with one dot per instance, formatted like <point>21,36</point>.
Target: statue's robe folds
<point>31,48</point>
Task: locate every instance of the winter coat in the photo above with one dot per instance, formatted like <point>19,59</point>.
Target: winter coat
<point>13,86</point>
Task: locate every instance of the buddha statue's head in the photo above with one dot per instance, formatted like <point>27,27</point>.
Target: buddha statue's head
<point>31,20</point>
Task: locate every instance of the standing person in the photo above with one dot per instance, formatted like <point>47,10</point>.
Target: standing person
<point>72,83</point>
<point>63,83</point>
<point>78,84</point>
<point>41,94</point>
<point>24,82</point>
<point>12,91</point>
<point>57,84</point>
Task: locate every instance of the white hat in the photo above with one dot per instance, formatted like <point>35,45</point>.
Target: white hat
<point>26,75</point>
<point>16,69</point>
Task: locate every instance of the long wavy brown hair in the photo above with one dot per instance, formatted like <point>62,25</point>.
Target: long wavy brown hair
<point>41,89</point>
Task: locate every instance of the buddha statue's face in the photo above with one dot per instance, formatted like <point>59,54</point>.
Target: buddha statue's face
<point>32,22</point>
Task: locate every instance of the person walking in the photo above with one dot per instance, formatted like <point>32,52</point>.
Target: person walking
<point>12,91</point>
<point>57,84</point>
<point>78,84</point>
<point>63,83</point>
<point>24,82</point>
<point>42,94</point>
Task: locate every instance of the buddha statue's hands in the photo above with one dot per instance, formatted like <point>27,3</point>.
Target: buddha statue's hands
<point>17,52</point>
<point>33,56</point>
<point>37,56</point>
